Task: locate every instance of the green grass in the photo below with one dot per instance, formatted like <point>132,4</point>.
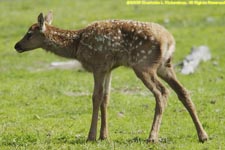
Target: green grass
<point>51,109</point>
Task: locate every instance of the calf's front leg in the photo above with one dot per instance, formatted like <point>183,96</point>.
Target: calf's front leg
<point>97,97</point>
<point>103,107</point>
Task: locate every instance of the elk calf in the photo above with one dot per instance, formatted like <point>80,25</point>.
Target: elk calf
<point>101,47</point>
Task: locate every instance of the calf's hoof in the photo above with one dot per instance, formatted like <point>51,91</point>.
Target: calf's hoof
<point>203,137</point>
<point>152,140</point>
<point>91,139</point>
<point>103,138</point>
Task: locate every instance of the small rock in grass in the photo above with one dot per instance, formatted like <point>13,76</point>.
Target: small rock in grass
<point>197,55</point>
<point>121,114</point>
<point>74,64</point>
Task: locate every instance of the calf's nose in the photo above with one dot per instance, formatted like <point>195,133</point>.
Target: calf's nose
<point>18,48</point>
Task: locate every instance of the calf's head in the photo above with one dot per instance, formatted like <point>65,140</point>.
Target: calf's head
<point>35,36</point>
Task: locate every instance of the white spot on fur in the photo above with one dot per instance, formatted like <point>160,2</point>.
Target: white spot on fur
<point>138,54</point>
<point>109,43</point>
<point>143,51</point>
<point>100,47</point>
<point>144,57</point>
<point>135,38</point>
<point>152,38</point>
<point>149,51</point>
<point>141,60</point>
<point>139,31</point>
<point>153,46</point>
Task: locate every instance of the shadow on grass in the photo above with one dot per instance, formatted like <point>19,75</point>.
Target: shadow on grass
<point>143,140</point>
<point>137,140</point>
<point>26,140</point>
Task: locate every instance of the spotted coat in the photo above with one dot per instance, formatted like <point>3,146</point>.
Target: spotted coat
<point>112,43</point>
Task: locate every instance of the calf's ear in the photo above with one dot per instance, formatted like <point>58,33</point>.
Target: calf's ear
<point>41,22</point>
<point>49,18</point>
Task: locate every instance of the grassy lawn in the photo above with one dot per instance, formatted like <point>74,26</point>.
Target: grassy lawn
<point>42,108</point>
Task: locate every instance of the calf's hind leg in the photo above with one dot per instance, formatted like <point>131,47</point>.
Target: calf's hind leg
<point>166,72</point>
<point>149,78</point>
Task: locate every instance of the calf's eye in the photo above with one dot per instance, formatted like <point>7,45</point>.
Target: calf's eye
<point>29,35</point>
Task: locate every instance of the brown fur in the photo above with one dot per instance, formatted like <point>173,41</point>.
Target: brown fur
<point>102,46</point>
